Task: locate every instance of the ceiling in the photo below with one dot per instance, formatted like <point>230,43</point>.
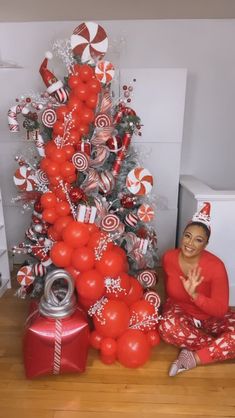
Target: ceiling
<point>55,10</point>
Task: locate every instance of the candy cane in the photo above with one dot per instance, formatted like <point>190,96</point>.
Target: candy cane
<point>12,117</point>
<point>40,146</point>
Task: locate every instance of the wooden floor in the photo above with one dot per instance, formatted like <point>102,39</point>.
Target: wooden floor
<point>108,391</point>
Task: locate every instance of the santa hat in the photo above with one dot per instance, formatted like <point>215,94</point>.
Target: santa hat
<point>203,215</point>
<point>52,83</point>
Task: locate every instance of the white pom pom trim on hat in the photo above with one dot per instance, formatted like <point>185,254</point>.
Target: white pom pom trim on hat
<point>49,55</point>
<point>25,111</point>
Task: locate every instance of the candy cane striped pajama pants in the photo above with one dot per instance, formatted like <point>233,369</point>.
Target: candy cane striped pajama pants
<point>213,339</point>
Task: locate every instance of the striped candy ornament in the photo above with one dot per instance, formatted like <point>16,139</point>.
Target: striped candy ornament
<point>145,213</point>
<point>12,117</point>
<point>86,214</point>
<point>91,181</point>
<point>30,234</point>
<point>139,181</point>
<point>57,348</point>
<point>39,270</point>
<point>153,298</point>
<point>61,95</point>
<point>106,182</point>
<point>89,40</point>
<point>131,219</point>
<point>25,276</point>
<point>104,71</point>
<point>147,278</point>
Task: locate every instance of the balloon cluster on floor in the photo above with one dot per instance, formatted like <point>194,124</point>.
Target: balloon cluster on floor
<point>91,209</point>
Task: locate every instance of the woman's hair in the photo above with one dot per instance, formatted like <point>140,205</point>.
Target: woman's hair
<point>202,225</point>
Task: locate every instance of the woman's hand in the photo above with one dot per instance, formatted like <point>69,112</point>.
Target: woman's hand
<point>192,281</point>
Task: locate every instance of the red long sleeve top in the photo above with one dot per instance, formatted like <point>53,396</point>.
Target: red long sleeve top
<point>212,294</point>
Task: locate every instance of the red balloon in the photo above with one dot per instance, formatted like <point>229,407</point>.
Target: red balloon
<point>115,316</point>
<point>61,254</point>
<point>87,115</point>
<point>69,151</point>
<point>83,129</point>
<point>49,215</point>
<point>70,179</point>
<point>53,234</point>
<point>95,238</point>
<point>48,200</point>
<point>133,349</point>
<point>76,234</point>
<point>86,72</point>
<point>58,128</point>
<point>140,312</point>
<point>61,223</point>
<point>52,169</point>
<point>135,292</point>
<point>108,347</point>
<point>62,208</point>
<point>90,285</point>
<point>108,359</point>
<point>55,180</point>
<point>61,112</point>
<point>92,228</point>
<point>113,292</point>
<point>83,258</point>
<point>111,263</point>
<point>59,192</point>
<point>74,103</point>
<point>92,101</point>
<point>67,169</point>
<point>94,86</point>
<point>86,303</point>
<point>44,163</point>
<point>95,339</point>
<point>153,338</point>
<point>59,155</point>
<point>73,272</point>
<point>50,147</point>
<point>75,120</point>
<point>76,69</point>
<point>73,81</point>
<point>120,251</point>
<point>82,91</point>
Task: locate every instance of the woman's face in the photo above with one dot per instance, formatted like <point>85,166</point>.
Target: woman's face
<point>194,240</point>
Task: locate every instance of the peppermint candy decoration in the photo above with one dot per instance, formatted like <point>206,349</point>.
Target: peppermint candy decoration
<point>102,120</point>
<point>104,71</point>
<point>153,298</point>
<point>49,117</point>
<point>145,213</point>
<point>41,177</point>
<point>39,269</point>
<point>139,181</point>
<point>147,278</point>
<point>110,223</point>
<point>101,154</point>
<point>80,161</point>
<point>24,179</point>
<point>106,182</point>
<point>106,102</point>
<point>30,234</point>
<point>102,136</point>
<point>25,276</point>
<point>91,181</point>
<point>131,219</point>
<point>89,40</point>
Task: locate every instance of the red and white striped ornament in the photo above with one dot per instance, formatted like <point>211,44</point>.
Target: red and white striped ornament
<point>106,182</point>
<point>84,147</point>
<point>24,179</point>
<point>89,40</point>
<point>39,270</point>
<point>147,278</point>
<point>153,298</point>
<point>25,276</point>
<point>86,214</point>
<point>110,223</point>
<point>139,181</point>
<point>145,213</point>
<point>131,219</point>
<point>104,71</point>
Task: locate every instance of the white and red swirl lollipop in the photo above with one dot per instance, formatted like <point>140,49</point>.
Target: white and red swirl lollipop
<point>104,71</point>
<point>110,223</point>
<point>80,161</point>
<point>89,40</point>
<point>49,117</point>
<point>153,298</point>
<point>24,179</point>
<point>139,181</point>
<point>145,213</point>
<point>25,276</point>
<point>102,120</point>
<point>147,278</point>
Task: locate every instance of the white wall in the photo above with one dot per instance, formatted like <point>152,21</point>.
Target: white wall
<point>204,47</point>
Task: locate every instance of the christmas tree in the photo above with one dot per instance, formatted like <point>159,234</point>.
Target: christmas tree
<point>91,211</point>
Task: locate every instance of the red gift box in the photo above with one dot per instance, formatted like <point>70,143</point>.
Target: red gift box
<point>56,337</point>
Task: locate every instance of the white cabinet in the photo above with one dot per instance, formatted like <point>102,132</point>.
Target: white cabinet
<point>4,261</point>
